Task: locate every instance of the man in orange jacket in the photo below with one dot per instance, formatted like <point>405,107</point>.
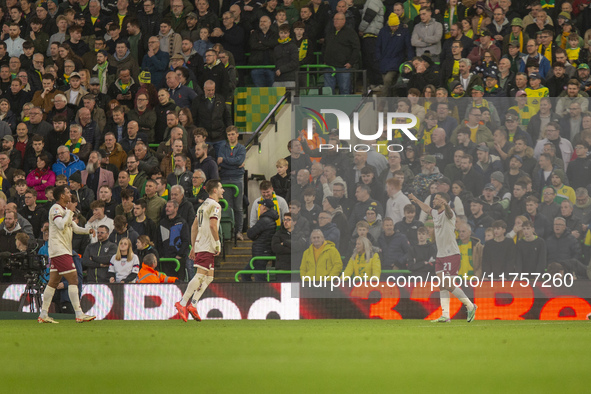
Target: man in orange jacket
<point>148,273</point>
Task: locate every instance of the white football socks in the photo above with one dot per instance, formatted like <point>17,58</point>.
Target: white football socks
<point>208,279</point>
<point>444,300</point>
<point>462,297</point>
<point>47,297</point>
<point>75,299</point>
<point>192,287</point>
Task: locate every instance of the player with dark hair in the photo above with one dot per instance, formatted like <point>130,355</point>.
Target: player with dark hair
<point>205,239</point>
<point>61,229</point>
<point>448,260</point>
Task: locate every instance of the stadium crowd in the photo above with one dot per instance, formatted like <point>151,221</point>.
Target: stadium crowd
<point>88,86</point>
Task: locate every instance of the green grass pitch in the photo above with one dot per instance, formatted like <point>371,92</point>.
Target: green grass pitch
<point>318,356</point>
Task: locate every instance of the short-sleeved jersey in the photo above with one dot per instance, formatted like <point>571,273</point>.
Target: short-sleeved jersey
<point>445,234</point>
<point>208,210</point>
<point>60,241</point>
<point>123,268</point>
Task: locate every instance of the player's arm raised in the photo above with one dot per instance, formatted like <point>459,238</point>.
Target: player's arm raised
<point>61,221</point>
<point>194,232</point>
<point>213,227</point>
<point>448,211</point>
<point>424,207</point>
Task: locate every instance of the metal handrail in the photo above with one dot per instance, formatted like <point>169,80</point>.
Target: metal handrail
<point>231,186</point>
<point>264,258</point>
<point>171,260</point>
<point>351,71</point>
<point>224,203</point>
<point>270,66</point>
<point>270,115</point>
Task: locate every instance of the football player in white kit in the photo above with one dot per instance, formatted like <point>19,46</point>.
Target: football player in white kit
<point>447,262</point>
<point>206,243</point>
<point>61,229</point>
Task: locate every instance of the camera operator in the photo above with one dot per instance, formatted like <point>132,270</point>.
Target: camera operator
<point>21,258</point>
<point>24,223</point>
<point>8,230</point>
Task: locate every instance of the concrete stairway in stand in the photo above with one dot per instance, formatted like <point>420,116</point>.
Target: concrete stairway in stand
<point>236,259</point>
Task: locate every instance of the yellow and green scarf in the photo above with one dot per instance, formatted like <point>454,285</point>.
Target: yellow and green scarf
<point>303,49</point>
<point>75,147</point>
<point>518,38</point>
<point>276,205</point>
<point>196,190</point>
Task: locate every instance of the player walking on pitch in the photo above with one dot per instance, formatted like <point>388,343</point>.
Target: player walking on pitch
<point>447,262</point>
<point>61,228</point>
<point>205,239</point>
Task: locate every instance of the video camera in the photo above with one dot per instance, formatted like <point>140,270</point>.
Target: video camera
<point>28,261</point>
<point>24,261</point>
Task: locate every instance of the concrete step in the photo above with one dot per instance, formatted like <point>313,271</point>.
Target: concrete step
<point>237,258</point>
<point>230,265</point>
<point>238,251</point>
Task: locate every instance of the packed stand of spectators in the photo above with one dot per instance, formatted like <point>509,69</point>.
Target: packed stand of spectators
<point>87,87</point>
<point>521,201</point>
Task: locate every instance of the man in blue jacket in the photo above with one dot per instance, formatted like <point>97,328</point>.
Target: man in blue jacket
<point>231,157</point>
<point>393,47</point>
<point>155,61</point>
<point>67,163</point>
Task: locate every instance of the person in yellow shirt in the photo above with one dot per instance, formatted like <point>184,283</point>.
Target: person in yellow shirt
<point>563,192</point>
<point>535,92</point>
<point>522,108</point>
<point>321,259</point>
<point>364,261</point>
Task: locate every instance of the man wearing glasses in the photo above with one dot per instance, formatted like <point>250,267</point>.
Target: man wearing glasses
<point>67,163</point>
<point>478,132</point>
<point>532,53</point>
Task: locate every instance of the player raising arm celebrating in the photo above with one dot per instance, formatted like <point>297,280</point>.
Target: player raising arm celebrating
<point>61,229</point>
<point>205,239</point>
<point>447,263</point>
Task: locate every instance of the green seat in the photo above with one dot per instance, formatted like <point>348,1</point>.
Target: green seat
<point>227,224</point>
<point>326,91</point>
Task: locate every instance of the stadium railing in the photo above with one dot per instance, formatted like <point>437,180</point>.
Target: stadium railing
<point>270,118</point>
<point>171,260</point>
<point>231,186</point>
<point>264,258</point>
<point>268,272</point>
<point>271,270</point>
<point>355,73</point>
<point>224,204</point>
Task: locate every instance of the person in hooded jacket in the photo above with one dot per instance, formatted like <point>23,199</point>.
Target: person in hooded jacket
<point>261,235</point>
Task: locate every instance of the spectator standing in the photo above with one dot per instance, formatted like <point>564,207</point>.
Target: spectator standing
<point>426,36</point>
<point>321,259</point>
<point>261,235</point>
<point>262,44</point>
<point>174,237</point>
<point>97,256</point>
<point>341,51</point>
<point>392,48</point>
